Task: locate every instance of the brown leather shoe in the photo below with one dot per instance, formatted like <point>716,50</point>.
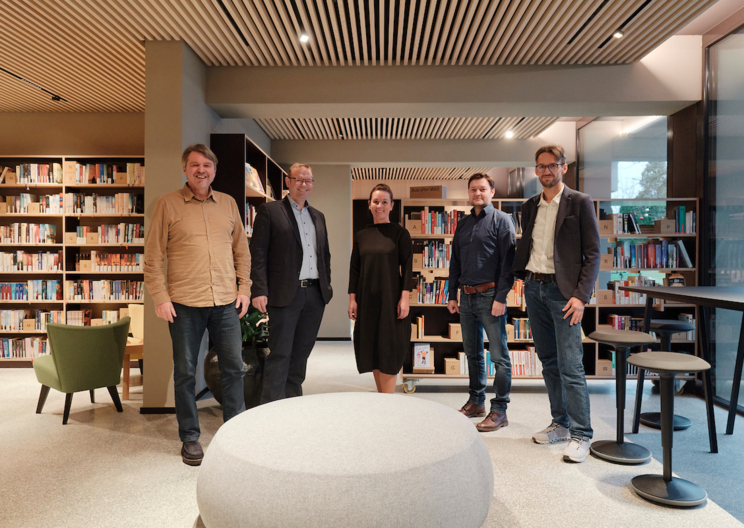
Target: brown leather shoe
<point>192,453</point>
<point>493,422</point>
<point>471,410</point>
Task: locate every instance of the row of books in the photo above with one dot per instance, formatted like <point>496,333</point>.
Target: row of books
<point>438,223</point>
<point>85,317</point>
<point>523,363</point>
<point>23,233</point>
<point>685,221</point>
<point>103,173</point>
<point>625,322</point>
<point>434,253</point>
<point>23,347</point>
<point>436,292</point>
<point>113,233</point>
<point>663,254</point>
<point>111,261</point>
<point>626,297</point>
<point>33,173</point>
<point>25,261</point>
<point>32,290</point>
<point>104,290</point>
<point>622,223</point>
<point>120,203</point>
<point>250,217</point>
<point>13,320</point>
<point>522,329</point>
<point>517,220</point>
<point>21,203</point>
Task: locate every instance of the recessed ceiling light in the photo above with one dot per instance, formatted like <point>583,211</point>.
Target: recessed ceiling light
<point>304,38</point>
<point>618,34</point>
<point>509,134</point>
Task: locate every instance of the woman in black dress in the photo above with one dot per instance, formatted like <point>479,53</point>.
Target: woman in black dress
<point>379,284</point>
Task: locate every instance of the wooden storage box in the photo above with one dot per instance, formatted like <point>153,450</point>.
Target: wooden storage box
<point>3,207</point>
<point>96,322</point>
<point>510,332</point>
<point>606,228</point>
<point>605,261</point>
<point>604,367</point>
<point>29,325</point>
<point>34,208</point>
<point>86,265</point>
<point>605,297</point>
<point>68,172</point>
<point>665,226</point>
<point>455,331</point>
<point>71,238</point>
<point>452,367</point>
<point>413,226</point>
<point>429,191</point>
<point>10,178</point>
<point>123,312</point>
<point>418,260</point>
<point>120,178</point>
<point>91,238</point>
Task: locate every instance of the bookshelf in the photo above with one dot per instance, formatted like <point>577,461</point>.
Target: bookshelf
<point>246,173</point>
<point>71,245</point>
<point>602,306</point>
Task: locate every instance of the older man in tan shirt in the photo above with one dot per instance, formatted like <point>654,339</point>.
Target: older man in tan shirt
<point>208,287</point>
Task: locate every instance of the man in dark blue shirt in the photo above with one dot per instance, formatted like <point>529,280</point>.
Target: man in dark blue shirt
<point>481,266</point>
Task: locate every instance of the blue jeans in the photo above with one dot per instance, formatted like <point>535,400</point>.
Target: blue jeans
<point>475,316</point>
<point>187,330</point>
<point>558,345</point>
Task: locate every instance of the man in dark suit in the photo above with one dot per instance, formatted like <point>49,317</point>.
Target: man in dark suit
<point>558,258</point>
<point>291,277</point>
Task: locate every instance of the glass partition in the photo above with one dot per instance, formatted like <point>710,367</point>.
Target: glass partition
<point>725,198</point>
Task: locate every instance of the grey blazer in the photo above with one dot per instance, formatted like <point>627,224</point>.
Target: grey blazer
<point>576,246</point>
<point>276,253</point>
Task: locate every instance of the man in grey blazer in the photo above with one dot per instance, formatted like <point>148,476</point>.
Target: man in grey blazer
<point>291,277</point>
<point>558,258</point>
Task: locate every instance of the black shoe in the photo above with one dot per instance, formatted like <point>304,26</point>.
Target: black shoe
<point>192,453</point>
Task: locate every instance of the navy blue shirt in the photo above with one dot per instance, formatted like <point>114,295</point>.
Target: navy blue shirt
<point>483,252</point>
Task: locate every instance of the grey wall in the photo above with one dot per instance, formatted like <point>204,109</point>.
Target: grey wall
<point>332,196</point>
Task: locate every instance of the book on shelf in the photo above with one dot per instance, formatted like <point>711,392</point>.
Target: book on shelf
<point>626,297</point>
<point>463,363</point>
<point>663,254</point>
<point>683,253</point>
<point>525,362</point>
<point>522,329</point>
<point>423,358</point>
<point>420,327</point>
<point>622,223</point>
<point>23,347</point>
<point>433,253</point>
<point>625,322</point>
<point>685,221</point>
<point>435,291</point>
<point>439,223</point>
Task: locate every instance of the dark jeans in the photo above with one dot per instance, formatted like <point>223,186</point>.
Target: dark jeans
<point>558,345</point>
<point>475,312</point>
<point>187,331</point>
<point>292,333</point>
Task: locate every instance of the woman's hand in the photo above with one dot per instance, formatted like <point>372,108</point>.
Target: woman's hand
<point>403,306</point>
<point>352,307</point>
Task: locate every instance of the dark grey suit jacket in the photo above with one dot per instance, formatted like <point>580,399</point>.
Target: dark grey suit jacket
<point>276,253</point>
<point>576,249</point>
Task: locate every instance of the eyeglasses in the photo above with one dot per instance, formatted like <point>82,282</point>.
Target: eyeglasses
<point>300,181</point>
<point>553,167</point>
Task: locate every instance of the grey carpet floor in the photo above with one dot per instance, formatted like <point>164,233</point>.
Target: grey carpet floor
<point>108,469</point>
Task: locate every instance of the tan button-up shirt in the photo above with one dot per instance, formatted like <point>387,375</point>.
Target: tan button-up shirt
<point>209,263</point>
<point>543,235</point>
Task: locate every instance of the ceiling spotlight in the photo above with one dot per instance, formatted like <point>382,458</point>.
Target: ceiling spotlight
<point>304,37</point>
<point>618,34</point>
<point>509,134</point>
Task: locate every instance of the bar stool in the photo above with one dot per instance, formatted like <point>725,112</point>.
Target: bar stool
<point>665,328</point>
<point>619,450</point>
<point>666,489</point>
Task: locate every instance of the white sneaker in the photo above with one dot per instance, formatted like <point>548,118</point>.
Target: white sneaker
<point>552,434</point>
<point>576,450</point>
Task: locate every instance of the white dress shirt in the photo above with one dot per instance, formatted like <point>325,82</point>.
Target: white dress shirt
<point>543,235</point>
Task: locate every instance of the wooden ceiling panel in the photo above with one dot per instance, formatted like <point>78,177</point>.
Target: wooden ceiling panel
<point>91,52</point>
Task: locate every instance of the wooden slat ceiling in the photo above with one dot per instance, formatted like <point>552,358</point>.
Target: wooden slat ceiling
<point>91,52</point>
<point>405,128</point>
<point>414,173</point>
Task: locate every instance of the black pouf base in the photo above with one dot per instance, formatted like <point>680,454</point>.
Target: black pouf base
<point>677,492</point>
<point>653,419</point>
<point>625,453</point>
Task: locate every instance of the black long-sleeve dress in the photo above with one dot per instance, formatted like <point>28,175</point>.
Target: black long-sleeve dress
<point>381,267</point>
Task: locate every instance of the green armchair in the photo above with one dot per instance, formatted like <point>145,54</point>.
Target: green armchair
<point>83,358</point>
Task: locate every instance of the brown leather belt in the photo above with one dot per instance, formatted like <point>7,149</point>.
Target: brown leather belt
<point>544,277</point>
<point>480,288</point>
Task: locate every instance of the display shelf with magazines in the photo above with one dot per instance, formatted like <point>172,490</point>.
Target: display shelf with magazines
<point>55,212</point>
<point>661,222</point>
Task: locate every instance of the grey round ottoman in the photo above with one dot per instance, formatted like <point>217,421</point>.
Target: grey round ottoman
<point>346,459</point>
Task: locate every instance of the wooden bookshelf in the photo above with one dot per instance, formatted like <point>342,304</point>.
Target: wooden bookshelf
<point>437,317</point>
<point>67,222</point>
<point>234,152</point>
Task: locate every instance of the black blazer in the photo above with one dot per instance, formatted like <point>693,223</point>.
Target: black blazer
<point>276,253</point>
<point>576,246</point>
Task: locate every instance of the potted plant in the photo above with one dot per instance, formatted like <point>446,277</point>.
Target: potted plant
<point>255,329</point>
